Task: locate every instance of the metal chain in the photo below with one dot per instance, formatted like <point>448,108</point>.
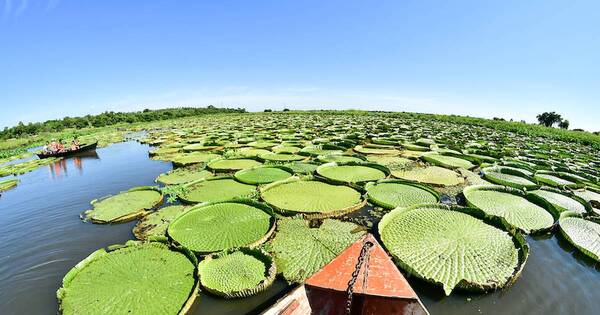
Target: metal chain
<point>364,254</point>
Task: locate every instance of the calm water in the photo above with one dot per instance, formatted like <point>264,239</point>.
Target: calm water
<point>42,237</point>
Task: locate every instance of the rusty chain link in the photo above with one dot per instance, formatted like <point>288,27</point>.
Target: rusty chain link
<point>364,255</point>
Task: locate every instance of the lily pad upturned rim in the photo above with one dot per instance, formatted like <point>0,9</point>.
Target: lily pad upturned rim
<point>398,181</point>
<point>310,215</point>
<point>570,194</point>
<point>68,277</point>
<point>245,201</point>
<point>563,233</point>
<point>281,167</point>
<point>518,239</point>
<point>376,166</point>
<point>128,217</point>
<point>576,182</point>
<point>508,171</point>
<point>537,200</point>
<point>258,253</point>
<point>427,157</point>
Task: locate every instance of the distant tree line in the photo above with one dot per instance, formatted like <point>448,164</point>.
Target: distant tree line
<point>549,119</point>
<point>110,118</point>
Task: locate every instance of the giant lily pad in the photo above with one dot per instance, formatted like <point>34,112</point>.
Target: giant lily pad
<point>447,161</point>
<point>433,175</point>
<point>450,247</point>
<point>155,224</point>
<point>216,189</point>
<point>300,250</point>
<point>352,172</point>
<point>139,278</point>
<point>529,213</point>
<point>125,206</point>
<point>219,226</point>
<point>583,234</point>
<point>562,201</point>
<point>311,198</point>
<point>182,176</point>
<point>193,158</point>
<point>8,184</point>
<point>237,273</point>
<point>230,165</point>
<point>397,193</point>
<point>263,174</point>
<point>281,157</point>
<point>509,177</point>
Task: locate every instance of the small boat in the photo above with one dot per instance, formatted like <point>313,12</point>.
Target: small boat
<point>377,286</point>
<point>83,148</point>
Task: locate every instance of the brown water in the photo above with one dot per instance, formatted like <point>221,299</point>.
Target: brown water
<point>42,237</point>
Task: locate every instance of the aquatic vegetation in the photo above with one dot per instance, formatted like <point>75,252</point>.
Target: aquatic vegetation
<point>137,278</point>
<point>263,174</point>
<point>125,206</point>
<point>215,189</point>
<point>352,172</point>
<point>447,161</point>
<point>433,175</point>
<point>155,223</point>
<point>510,177</point>
<point>583,234</point>
<point>8,184</point>
<point>25,167</point>
<point>229,165</point>
<point>528,212</point>
<point>237,273</point>
<point>183,176</point>
<point>300,250</point>
<point>311,198</point>
<point>398,193</point>
<point>193,158</point>
<point>213,227</point>
<point>453,247</point>
<point>562,201</point>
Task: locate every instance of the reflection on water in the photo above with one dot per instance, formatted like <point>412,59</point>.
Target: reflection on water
<point>61,167</point>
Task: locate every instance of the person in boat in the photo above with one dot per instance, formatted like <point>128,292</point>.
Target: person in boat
<point>75,144</point>
<point>60,146</point>
<point>53,146</point>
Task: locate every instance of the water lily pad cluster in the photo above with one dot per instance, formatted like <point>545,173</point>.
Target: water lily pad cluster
<point>260,195</point>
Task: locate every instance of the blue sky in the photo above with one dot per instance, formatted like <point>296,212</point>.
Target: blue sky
<point>511,59</point>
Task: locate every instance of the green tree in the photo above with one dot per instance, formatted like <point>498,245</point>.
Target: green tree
<point>548,119</point>
<point>564,124</point>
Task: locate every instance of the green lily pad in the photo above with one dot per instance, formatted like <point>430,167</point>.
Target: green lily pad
<point>182,176</point>
<point>514,206</point>
<point>156,223</point>
<point>396,193</point>
<point>300,250</point>
<point>433,175</point>
<point>125,206</point>
<point>219,226</point>
<point>583,234</point>
<point>139,278</point>
<point>216,189</point>
<point>312,198</point>
<point>352,172</point>
<point>237,273</point>
<point>445,246</point>
<point>229,165</point>
<point>262,174</point>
